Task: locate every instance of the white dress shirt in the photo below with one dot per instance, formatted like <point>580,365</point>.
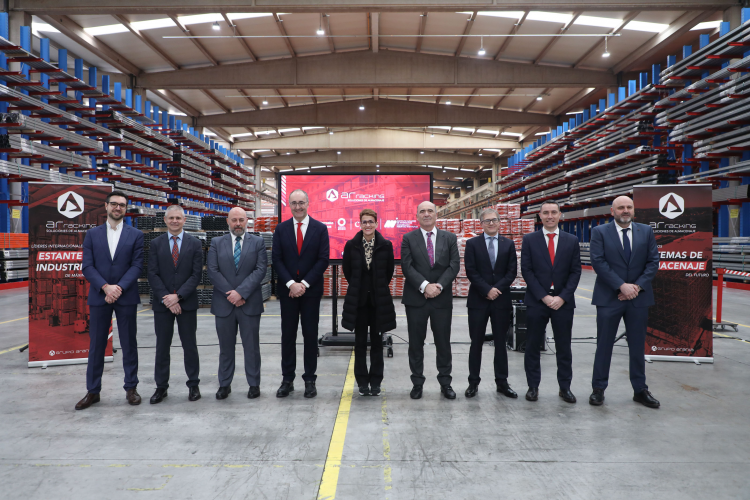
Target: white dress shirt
<point>305,225</point>
<point>178,242</point>
<point>630,234</point>
<point>434,248</point>
<point>556,232</point>
<point>113,237</point>
<point>234,240</point>
<point>488,238</point>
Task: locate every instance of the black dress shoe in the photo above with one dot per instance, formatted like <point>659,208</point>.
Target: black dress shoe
<point>194,394</point>
<point>375,390</point>
<point>532,394</point>
<point>646,399</point>
<point>597,397</point>
<point>448,392</point>
<point>567,396</point>
<point>253,392</point>
<point>223,392</point>
<point>285,389</point>
<point>416,392</point>
<point>504,388</point>
<point>87,401</point>
<point>159,395</point>
<point>364,390</point>
<point>472,390</point>
<point>310,390</point>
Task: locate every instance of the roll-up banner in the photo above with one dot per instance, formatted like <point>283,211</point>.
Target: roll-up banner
<point>680,325</point>
<point>59,216</point>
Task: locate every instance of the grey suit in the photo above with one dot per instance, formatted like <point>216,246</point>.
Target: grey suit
<point>415,265</point>
<point>245,279</point>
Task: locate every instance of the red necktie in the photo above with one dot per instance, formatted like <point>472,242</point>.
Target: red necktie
<point>299,238</point>
<point>175,251</point>
<point>551,248</point>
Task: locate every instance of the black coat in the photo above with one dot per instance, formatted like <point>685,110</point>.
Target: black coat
<point>382,272</point>
<point>165,278</point>
<point>483,277</point>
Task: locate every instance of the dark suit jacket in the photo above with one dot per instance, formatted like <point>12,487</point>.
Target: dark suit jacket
<point>539,273</point>
<point>311,263</point>
<point>165,278</point>
<point>415,264</point>
<point>245,278</point>
<point>608,260</point>
<point>101,269</point>
<point>484,277</point>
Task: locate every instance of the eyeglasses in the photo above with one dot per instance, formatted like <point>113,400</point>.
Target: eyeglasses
<point>115,205</point>
<point>298,203</point>
<point>490,221</point>
<point>368,223</point>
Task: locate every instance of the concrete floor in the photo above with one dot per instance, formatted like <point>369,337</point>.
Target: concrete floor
<point>696,446</point>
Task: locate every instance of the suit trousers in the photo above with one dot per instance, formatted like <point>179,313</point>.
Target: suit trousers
<point>607,323</point>
<point>366,320</point>
<point>500,321</point>
<point>292,310</point>
<point>537,319</point>
<point>226,329</point>
<point>440,323</point>
<point>187,324</point>
<point>100,319</point>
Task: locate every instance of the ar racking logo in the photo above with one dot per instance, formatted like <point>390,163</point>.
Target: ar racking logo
<point>332,195</point>
<point>70,204</point>
<point>671,205</point>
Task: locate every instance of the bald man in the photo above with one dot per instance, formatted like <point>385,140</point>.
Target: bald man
<point>625,258</point>
<point>237,263</point>
<point>430,263</point>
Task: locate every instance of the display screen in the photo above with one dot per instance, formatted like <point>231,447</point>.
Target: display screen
<point>337,199</point>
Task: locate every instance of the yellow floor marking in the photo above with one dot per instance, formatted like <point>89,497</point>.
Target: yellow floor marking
<point>153,489</point>
<point>723,319</point>
<point>12,349</point>
<point>12,320</point>
<point>330,479</point>
<point>386,446</point>
<point>581,288</point>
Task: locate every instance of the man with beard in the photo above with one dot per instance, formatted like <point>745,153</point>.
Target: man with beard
<point>625,258</point>
<point>430,263</point>
<point>237,263</point>
<point>112,263</point>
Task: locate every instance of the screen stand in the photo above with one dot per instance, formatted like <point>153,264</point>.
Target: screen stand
<point>334,338</point>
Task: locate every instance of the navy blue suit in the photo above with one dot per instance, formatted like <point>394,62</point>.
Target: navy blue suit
<point>123,270</point>
<point>613,270</point>
<point>540,274</point>
<point>483,278</point>
<point>308,265</point>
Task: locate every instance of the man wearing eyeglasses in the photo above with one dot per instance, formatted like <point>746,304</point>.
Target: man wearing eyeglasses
<point>300,257</point>
<point>551,267</point>
<point>112,263</point>
<point>490,262</point>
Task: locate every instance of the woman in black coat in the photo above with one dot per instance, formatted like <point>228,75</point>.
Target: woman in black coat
<point>368,267</point>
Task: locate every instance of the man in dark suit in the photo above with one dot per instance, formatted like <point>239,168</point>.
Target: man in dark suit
<point>112,263</point>
<point>625,258</point>
<point>430,263</point>
<point>174,270</point>
<point>490,262</point>
<point>551,267</point>
<point>300,255</point>
<point>237,263</point>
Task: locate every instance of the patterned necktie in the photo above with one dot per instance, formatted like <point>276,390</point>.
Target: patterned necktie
<point>175,251</point>
<point>237,251</point>
<point>299,238</point>
<point>626,244</point>
<point>491,250</point>
<point>430,249</point>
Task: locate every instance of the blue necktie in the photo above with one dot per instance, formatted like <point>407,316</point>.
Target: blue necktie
<point>491,250</point>
<point>237,251</point>
<point>626,244</point>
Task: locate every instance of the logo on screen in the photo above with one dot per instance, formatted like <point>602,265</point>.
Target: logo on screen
<point>70,204</point>
<point>671,205</point>
<point>332,195</point>
<point>342,224</point>
<point>390,223</point>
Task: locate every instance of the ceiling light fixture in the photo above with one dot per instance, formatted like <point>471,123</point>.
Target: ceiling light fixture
<point>481,47</point>
<point>330,132</point>
<point>539,98</point>
<point>338,152</point>
<point>265,103</point>
<point>606,52</point>
<point>361,107</point>
<point>448,103</point>
<point>216,26</point>
<point>320,31</point>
